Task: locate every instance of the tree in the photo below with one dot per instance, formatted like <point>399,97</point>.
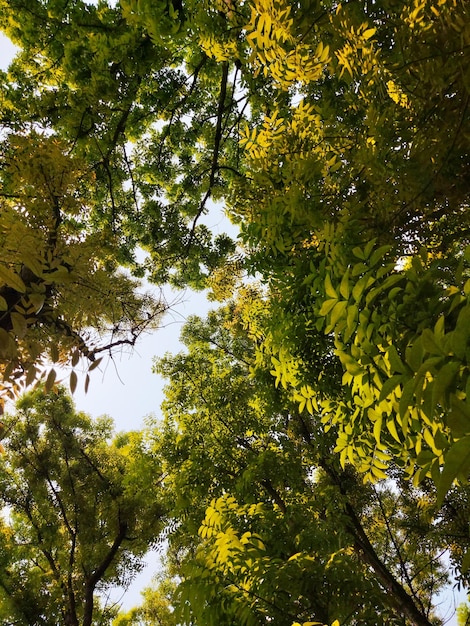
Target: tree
<point>267,525</point>
<point>132,83</point>
<point>76,512</point>
<point>156,606</point>
<point>62,294</point>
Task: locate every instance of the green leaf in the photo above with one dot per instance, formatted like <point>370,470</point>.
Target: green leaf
<point>378,254</point>
<point>465,562</point>
<point>389,385</point>
<point>327,306</point>
<point>392,428</point>
<point>414,354</point>
<point>458,342</point>
<point>430,342</point>
<point>352,366</point>
<point>458,419</point>
<point>338,312</point>
<point>33,263</point>
<point>456,465</point>
<point>37,300</point>
<point>424,458</point>
<point>377,430</point>
<point>443,381</point>
<point>396,364</point>
<point>406,397</point>
<point>359,253</point>
<point>344,287</point>
<point>19,324</point>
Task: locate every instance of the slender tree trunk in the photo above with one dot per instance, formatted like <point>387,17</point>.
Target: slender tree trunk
<point>99,573</point>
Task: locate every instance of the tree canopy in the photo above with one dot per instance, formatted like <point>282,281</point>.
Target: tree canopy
<point>332,383</point>
<point>75,518</point>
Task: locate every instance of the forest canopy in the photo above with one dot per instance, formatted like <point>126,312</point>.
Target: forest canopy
<point>315,437</point>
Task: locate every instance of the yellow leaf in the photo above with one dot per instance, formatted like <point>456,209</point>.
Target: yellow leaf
<point>12,279</point>
<point>19,324</point>
<point>367,34</point>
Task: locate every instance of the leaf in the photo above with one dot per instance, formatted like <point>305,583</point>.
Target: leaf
<point>378,429</point>
<point>95,364</point>
<point>378,255</point>
<point>465,562</point>
<point>33,263</point>
<point>329,289</point>
<point>54,352</point>
<point>406,398</point>
<point>75,358</point>
<point>456,464</point>
<point>30,375</point>
<point>344,286</point>
<point>396,363</point>
<point>4,341</point>
<point>73,382</point>
<point>458,419</point>
<point>50,380</point>
<point>352,366</point>
<point>443,381</point>
<point>37,300</point>
<point>430,342</point>
<point>3,304</point>
<point>338,312</point>
<point>19,324</point>
<point>12,279</point>
<point>370,32</point>
<point>392,428</point>
<point>327,306</point>
<point>389,385</point>
<point>414,354</point>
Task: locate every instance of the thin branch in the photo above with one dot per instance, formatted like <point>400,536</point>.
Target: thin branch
<point>131,176</point>
<point>215,154</point>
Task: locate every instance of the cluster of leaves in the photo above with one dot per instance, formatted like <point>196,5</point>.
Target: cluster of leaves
<point>347,187</point>
<point>61,291</point>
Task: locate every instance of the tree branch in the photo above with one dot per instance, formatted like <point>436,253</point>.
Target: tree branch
<point>215,153</point>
